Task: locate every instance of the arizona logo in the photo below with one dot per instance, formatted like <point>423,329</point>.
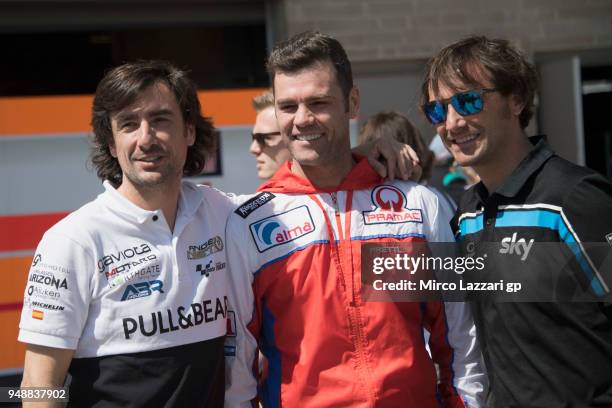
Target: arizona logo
<point>391,208</point>
<point>282,228</point>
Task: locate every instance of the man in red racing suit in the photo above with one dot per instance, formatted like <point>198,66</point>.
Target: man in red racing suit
<point>296,293</point>
<point>294,270</point>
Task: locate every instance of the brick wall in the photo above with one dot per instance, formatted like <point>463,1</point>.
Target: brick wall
<point>375,30</point>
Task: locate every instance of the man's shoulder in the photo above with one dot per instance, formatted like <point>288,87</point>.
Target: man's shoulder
<point>417,193</point>
<point>215,197</point>
<point>560,179</point>
<point>407,187</point>
<point>86,219</point>
<point>565,172</point>
<point>249,206</point>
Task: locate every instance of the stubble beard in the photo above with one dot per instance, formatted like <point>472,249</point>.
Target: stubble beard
<point>164,176</point>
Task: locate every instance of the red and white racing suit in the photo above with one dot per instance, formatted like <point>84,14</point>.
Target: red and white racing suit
<point>294,272</point>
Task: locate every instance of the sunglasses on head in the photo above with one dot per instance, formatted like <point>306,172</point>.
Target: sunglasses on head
<point>465,103</point>
<point>260,138</point>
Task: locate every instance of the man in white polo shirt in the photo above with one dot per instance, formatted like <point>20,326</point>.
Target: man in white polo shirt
<point>127,293</point>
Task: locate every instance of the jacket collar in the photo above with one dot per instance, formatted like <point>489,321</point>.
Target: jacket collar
<point>361,176</point>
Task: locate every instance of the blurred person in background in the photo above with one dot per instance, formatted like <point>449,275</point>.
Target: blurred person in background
<point>268,146</point>
<point>391,124</point>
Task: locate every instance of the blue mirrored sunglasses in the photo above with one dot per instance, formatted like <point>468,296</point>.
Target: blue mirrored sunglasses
<point>465,103</point>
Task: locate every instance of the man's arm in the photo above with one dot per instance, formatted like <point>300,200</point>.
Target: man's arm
<point>391,158</point>
<point>587,218</point>
<point>51,328</point>
<point>45,367</point>
<point>240,344</point>
<point>455,348</point>
<point>453,342</point>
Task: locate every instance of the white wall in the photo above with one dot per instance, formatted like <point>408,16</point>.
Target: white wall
<point>393,87</point>
<point>239,174</point>
<point>50,174</point>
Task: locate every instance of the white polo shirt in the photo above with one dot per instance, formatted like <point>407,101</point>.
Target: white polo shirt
<point>111,278</point>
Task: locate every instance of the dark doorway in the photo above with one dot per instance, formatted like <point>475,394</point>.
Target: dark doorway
<point>596,103</point>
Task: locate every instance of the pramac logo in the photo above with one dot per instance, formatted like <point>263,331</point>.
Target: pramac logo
<point>282,228</point>
<point>391,208</point>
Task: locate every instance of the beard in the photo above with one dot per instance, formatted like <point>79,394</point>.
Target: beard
<point>152,179</point>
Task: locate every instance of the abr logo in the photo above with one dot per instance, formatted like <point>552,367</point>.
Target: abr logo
<point>142,289</point>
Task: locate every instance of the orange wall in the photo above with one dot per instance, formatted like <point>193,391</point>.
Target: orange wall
<point>14,272</point>
<point>72,114</point>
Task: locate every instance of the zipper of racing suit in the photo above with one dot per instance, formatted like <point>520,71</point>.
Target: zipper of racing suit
<point>332,240</point>
<point>346,236</point>
<point>354,314</point>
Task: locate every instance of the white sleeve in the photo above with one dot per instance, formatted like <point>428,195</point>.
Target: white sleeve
<point>237,199</point>
<point>438,219</point>
<point>240,344</point>
<point>57,294</point>
<point>470,377</point>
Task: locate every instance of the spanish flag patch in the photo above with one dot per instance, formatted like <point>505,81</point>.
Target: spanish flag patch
<point>37,314</point>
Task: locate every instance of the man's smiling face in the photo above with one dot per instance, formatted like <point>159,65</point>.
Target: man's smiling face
<point>313,115</point>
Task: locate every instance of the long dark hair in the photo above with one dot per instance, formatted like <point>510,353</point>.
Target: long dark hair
<point>122,86</point>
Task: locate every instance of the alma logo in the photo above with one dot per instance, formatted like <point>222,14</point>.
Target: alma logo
<point>282,228</point>
<point>390,204</point>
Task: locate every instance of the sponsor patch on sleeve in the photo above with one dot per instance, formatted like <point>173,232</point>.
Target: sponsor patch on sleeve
<point>254,203</point>
<point>282,228</point>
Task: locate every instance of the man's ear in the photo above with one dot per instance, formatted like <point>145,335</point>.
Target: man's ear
<point>354,102</point>
<point>112,149</point>
<point>516,105</point>
<point>190,134</point>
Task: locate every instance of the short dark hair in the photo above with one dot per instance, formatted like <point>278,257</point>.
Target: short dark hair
<point>398,126</point>
<point>122,86</point>
<point>506,67</point>
<point>306,49</point>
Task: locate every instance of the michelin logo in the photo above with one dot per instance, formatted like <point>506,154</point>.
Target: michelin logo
<point>282,228</point>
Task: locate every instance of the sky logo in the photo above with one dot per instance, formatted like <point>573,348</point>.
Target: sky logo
<point>282,228</point>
